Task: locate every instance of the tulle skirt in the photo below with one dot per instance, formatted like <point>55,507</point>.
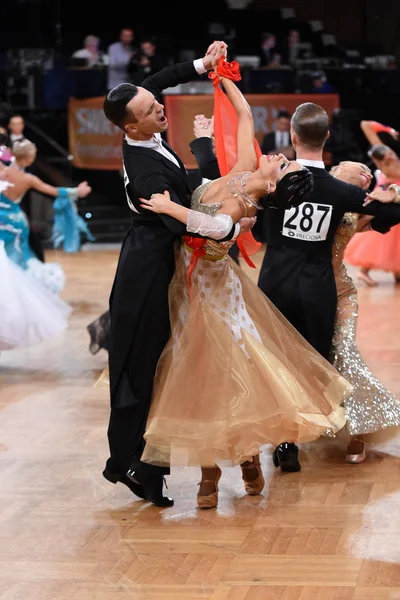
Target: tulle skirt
<point>29,313</point>
<point>49,275</point>
<point>14,233</point>
<point>372,250</point>
<point>235,374</point>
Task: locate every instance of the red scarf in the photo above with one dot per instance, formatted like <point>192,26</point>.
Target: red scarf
<point>225,134</point>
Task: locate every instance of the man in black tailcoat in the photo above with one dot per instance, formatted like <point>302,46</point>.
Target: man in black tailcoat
<point>139,311</point>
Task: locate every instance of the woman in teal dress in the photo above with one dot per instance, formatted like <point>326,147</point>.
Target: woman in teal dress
<point>14,227</point>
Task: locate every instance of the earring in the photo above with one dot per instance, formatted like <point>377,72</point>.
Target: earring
<point>268,187</point>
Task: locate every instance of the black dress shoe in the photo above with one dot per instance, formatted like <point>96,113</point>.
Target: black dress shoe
<point>153,488</point>
<point>133,485</point>
<point>286,456</point>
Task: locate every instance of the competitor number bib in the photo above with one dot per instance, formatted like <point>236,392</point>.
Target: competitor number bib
<point>307,222</point>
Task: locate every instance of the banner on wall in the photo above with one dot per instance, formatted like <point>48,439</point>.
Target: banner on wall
<point>181,110</point>
<point>95,143</point>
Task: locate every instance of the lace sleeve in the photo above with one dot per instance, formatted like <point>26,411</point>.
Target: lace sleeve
<point>217,227</point>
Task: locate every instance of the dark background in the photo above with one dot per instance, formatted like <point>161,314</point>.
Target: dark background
<point>63,24</point>
<point>369,27</point>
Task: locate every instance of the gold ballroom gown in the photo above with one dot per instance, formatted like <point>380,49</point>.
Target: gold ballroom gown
<point>235,374</point>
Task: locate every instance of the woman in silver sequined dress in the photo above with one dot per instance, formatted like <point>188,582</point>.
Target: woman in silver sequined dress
<point>371,408</point>
<point>235,374</point>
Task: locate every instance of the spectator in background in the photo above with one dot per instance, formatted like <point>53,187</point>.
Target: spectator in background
<point>6,156</point>
<point>147,62</point>
<point>290,48</point>
<point>293,45</point>
<point>320,84</point>
<point>91,52</point>
<point>119,56</point>
<point>16,126</point>
<point>279,140</point>
<point>275,142</point>
<point>269,56</point>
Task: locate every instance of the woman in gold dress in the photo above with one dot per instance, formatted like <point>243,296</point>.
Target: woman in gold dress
<point>235,374</point>
<point>371,408</point>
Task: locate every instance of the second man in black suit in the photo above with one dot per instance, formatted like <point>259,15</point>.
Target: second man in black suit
<point>297,273</point>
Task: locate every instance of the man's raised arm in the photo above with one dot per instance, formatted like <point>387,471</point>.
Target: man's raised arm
<point>183,72</point>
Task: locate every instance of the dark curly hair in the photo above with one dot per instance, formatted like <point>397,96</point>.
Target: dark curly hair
<point>293,189</point>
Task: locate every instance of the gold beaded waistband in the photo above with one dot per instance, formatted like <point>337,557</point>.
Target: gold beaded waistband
<point>206,256</point>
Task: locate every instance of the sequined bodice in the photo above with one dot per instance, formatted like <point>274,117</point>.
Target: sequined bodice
<point>344,233</point>
<point>196,204</point>
<point>212,248</point>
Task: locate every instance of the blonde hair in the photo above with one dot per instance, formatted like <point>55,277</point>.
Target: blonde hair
<point>334,170</point>
<point>343,163</point>
<point>23,148</point>
<point>91,38</point>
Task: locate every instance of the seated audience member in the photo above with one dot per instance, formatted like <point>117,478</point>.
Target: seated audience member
<point>16,126</point>
<point>268,53</point>
<point>6,156</point>
<point>91,52</point>
<point>147,62</point>
<point>290,47</point>
<point>321,85</point>
<point>278,141</point>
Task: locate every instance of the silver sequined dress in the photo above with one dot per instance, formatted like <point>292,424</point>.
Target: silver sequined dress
<point>371,408</point>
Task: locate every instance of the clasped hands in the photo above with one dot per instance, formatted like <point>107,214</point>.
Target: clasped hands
<point>213,54</point>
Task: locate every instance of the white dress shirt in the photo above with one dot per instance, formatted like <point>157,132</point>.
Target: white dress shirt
<point>155,143</point>
<point>318,164</point>
<point>282,139</point>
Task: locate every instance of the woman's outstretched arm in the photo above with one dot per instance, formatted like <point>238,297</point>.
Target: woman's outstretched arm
<point>82,190</point>
<point>371,130</point>
<point>246,155</point>
<point>216,227</point>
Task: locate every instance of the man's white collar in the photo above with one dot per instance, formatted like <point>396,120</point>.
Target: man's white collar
<point>156,140</point>
<point>318,164</point>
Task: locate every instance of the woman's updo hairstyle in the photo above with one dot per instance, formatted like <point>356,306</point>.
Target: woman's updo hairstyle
<point>292,190</point>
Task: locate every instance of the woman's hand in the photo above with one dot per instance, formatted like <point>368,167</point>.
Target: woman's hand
<point>381,196</point>
<point>217,48</point>
<point>203,127</point>
<point>221,50</point>
<point>277,158</point>
<point>158,203</point>
<point>83,189</point>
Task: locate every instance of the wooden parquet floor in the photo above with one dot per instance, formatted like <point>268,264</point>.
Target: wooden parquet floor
<point>331,532</point>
